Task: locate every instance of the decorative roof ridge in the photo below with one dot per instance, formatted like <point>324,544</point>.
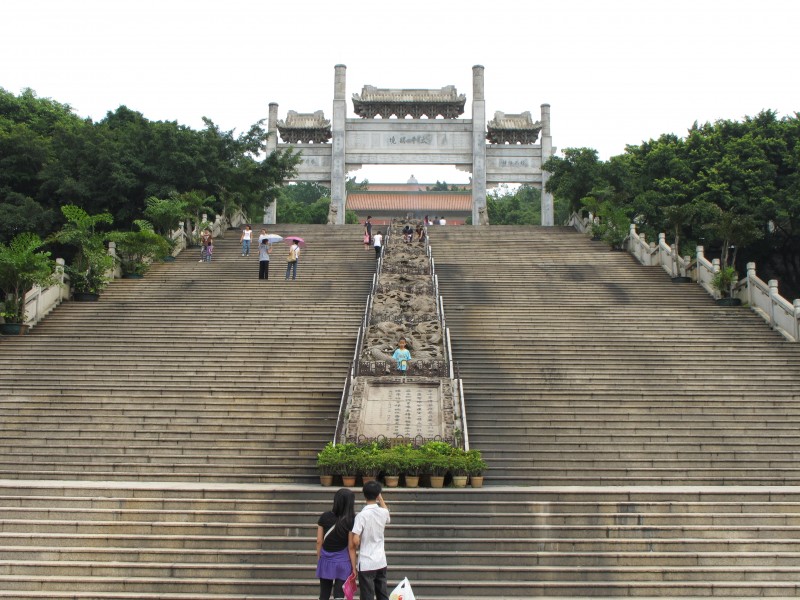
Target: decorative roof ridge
<point>296,120</point>
<point>514,121</point>
<point>448,93</point>
<point>513,128</point>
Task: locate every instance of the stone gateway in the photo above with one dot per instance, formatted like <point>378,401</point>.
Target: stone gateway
<point>416,127</point>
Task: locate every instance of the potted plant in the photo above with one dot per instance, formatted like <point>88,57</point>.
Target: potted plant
<point>328,463</point>
<point>91,265</point>
<point>458,468</point>
<point>349,457</point>
<point>475,467</point>
<point>369,462</point>
<point>137,250</point>
<point>436,459</point>
<point>391,461</point>
<point>410,463</point>
<point>22,266</point>
<point>723,281</point>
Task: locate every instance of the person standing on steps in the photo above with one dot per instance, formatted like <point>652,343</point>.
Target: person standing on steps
<point>291,260</point>
<point>402,355</point>
<point>367,232</point>
<point>335,559</point>
<point>368,539</point>
<point>206,245</point>
<point>377,241</point>
<point>264,250</point>
<point>247,234</point>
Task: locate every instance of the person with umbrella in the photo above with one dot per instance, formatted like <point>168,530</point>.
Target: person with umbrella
<point>294,256</point>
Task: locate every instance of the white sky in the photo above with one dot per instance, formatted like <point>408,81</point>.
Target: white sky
<point>615,72</point>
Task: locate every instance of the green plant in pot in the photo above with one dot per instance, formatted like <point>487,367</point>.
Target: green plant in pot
<point>436,459</point>
<point>22,266</point>
<point>349,458</point>
<point>369,461</point>
<point>458,467</point>
<point>391,463</point>
<point>328,461</point>
<point>723,281</point>
<point>91,265</point>
<point>410,463</point>
<point>137,250</point>
<point>475,465</point>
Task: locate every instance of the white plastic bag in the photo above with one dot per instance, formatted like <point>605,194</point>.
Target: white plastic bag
<point>402,591</point>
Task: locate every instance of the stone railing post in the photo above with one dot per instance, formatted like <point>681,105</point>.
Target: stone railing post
<point>715,268</point>
<point>116,269</point>
<point>751,274</point>
<point>796,331</point>
<point>60,278</point>
<point>773,295</point>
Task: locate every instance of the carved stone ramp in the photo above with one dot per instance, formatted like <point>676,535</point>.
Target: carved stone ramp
<point>582,367</point>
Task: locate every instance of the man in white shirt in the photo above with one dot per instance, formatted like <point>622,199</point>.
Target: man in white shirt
<point>377,242</point>
<point>367,537</point>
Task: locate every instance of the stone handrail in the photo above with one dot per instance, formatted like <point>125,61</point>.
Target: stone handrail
<point>40,301</point>
<point>660,254</point>
<point>763,298</point>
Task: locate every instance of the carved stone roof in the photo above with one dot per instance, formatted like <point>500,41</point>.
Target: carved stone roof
<point>513,129</point>
<point>301,128</point>
<point>416,103</point>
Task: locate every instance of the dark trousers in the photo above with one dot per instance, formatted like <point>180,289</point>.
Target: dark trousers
<point>291,267</point>
<point>377,252</point>
<point>326,585</point>
<point>263,269</point>
<point>372,585</point>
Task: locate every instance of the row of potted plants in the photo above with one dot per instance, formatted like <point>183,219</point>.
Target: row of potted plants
<point>434,459</point>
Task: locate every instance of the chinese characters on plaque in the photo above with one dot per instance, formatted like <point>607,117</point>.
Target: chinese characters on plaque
<point>402,410</point>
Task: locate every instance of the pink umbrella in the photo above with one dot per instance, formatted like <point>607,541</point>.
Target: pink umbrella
<point>291,239</point>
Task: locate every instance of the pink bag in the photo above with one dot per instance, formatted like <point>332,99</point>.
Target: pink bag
<point>350,586</point>
<point>366,238</point>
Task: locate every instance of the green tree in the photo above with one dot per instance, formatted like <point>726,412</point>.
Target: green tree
<point>574,176</point>
<point>22,265</point>
<point>91,264</point>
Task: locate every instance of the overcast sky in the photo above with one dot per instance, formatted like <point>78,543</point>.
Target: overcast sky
<point>615,72</point>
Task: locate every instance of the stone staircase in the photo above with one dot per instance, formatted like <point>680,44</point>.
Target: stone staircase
<point>582,367</point>
<point>199,371</point>
<point>160,443</point>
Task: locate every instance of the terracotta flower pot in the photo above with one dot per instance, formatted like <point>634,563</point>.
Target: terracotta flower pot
<point>349,480</point>
<point>326,480</point>
<point>437,481</point>
<point>476,481</point>
<point>412,481</point>
<point>392,481</point>
<point>460,481</point>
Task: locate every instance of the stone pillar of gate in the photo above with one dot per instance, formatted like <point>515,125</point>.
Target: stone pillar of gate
<point>547,152</point>
<point>271,209</point>
<point>479,214</point>
<point>338,150</point>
